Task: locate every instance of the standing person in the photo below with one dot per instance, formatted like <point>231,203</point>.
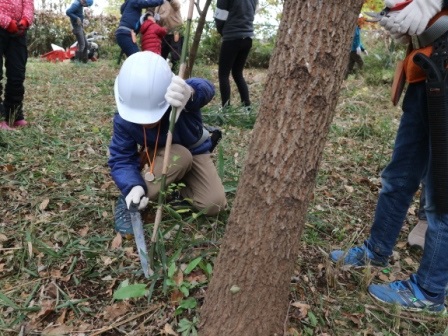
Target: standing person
<point>151,33</point>
<point>144,90</point>
<point>131,11</point>
<point>357,49</point>
<point>76,14</point>
<point>16,16</point>
<point>168,15</point>
<point>235,23</point>
<point>411,162</point>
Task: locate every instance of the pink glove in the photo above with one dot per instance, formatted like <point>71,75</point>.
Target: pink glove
<point>12,27</point>
<point>23,24</point>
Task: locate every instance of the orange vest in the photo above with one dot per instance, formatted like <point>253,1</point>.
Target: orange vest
<point>413,72</point>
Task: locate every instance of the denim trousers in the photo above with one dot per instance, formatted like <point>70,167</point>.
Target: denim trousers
<point>125,42</point>
<point>410,164</point>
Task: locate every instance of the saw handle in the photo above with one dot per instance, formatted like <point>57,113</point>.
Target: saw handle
<point>133,207</point>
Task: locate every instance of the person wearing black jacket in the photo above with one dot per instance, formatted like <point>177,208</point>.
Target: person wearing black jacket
<point>234,22</point>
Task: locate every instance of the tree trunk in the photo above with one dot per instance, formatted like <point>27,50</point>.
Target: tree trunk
<point>197,37</point>
<point>248,294</point>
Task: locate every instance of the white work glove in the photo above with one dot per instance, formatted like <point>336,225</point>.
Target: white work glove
<point>388,21</point>
<point>365,52</point>
<point>136,196</point>
<point>413,19</point>
<point>178,93</point>
<point>358,51</point>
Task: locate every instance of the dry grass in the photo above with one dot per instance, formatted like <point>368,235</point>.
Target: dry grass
<point>59,265</point>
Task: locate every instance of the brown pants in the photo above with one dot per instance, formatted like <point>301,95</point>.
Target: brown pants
<point>198,173</point>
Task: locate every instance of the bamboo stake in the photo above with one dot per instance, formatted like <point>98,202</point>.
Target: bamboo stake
<point>169,140</point>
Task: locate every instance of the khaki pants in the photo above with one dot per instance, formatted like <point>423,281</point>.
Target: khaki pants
<point>198,173</point>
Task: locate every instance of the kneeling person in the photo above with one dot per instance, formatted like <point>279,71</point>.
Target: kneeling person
<point>145,89</point>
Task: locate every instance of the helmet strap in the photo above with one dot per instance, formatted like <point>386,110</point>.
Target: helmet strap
<point>149,175</point>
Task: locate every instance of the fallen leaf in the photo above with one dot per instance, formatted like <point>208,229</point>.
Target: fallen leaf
<point>83,231</point>
<point>44,204</point>
<point>169,330</point>
<point>116,310</point>
<point>46,308</point>
<point>61,318</point>
<point>349,189</point>
<point>57,331</point>
<point>116,243</point>
<point>303,308</point>
<point>176,296</point>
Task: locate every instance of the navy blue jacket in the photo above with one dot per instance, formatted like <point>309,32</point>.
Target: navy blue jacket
<point>74,12</point>
<point>131,10</point>
<point>124,156</point>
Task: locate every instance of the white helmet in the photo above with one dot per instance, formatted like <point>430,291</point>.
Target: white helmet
<point>140,88</point>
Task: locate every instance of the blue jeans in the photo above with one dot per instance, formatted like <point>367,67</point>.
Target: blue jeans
<point>400,180</point>
<point>421,207</point>
<point>124,41</point>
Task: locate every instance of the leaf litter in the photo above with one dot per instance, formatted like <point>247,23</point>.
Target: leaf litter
<point>61,262</point>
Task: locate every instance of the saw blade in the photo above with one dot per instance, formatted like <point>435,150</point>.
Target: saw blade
<point>139,236</point>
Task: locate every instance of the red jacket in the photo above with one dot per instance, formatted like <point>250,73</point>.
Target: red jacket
<point>16,10</point>
<point>152,35</point>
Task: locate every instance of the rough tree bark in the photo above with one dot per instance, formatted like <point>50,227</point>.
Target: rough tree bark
<point>248,294</point>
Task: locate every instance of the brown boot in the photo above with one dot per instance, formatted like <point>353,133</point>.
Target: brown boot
<point>417,235</point>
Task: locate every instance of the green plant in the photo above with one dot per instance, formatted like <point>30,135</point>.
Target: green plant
<point>187,327</point>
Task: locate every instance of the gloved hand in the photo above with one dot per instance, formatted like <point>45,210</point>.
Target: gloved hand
<point>414,18</point>
<point>78,21</point>
<point>136,196</point>
<point>365,52</point>
<point>178,93</point>
<point>358,50</point>
<point>12,27</point>
<point>388,21</point>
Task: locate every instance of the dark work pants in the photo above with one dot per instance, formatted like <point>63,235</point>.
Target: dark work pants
<point>169,46</point>
<point>14,53</point>
<point>82,41</point>
<point>232,58</point>
<point>354,59</point>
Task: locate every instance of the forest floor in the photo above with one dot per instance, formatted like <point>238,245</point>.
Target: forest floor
<point>63,270</point>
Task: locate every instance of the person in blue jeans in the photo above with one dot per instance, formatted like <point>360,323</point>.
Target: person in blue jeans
<point>131,11</point>
<point>410,164</point>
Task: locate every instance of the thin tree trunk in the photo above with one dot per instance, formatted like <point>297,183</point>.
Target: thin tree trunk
<point>248,294</point>
<point>197,38</point>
